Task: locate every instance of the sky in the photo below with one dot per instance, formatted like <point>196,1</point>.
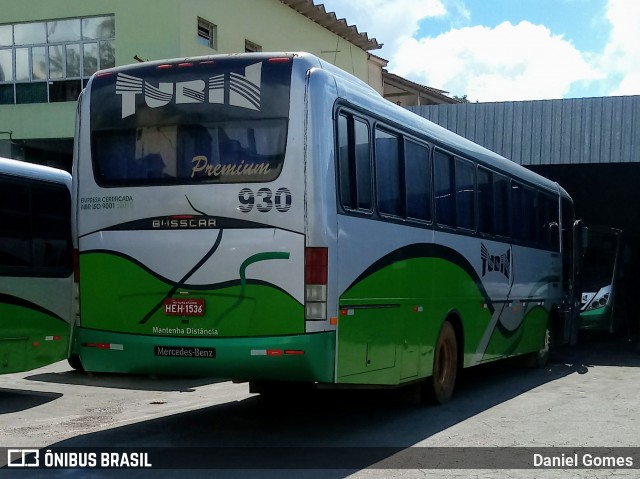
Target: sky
<point>506,50</point>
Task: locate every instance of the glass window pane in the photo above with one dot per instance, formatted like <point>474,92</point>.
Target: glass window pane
<point>56,61</point>
<point>465,195</point>
<point>6,35</point>
<point>485,201</point>
<point>90,59</point>
<point>530,215</point>
<point>6,94</point>
<point>51,227</point>
<point>418,181</point>
<point>66,90</point>
<point>98,27</point>
<point>554,225</point>
<point>363,164</point>
<point>31,92</point>
<point>501,205</point>
<point>30,33</point>
<point>107,55</point>
<point>444,191</point>
<point>73,60</point>
<point>6,65</point>
<point>388,174</point>
<point>347,192</point>
<point>15,225</point>
<point>22,64</point>
<point>64,30</point>
<point>517,218</point>
<point>39,63</point>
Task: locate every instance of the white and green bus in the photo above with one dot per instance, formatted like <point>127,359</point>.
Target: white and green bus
<point>36,270</point>
<point>270,218</point>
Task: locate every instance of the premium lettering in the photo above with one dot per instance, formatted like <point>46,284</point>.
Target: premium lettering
<point>201,165</point>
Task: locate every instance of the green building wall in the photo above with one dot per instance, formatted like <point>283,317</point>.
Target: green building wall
<point>157,29</point>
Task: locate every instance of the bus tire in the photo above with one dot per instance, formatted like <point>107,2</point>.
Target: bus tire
<point>540,358</point>
<point>75,363</point>
<point>441,384</point>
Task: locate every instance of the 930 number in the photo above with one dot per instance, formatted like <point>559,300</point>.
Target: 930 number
<point>264,200</point>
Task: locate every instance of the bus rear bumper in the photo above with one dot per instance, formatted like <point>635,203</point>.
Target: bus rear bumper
<point>304,357</point>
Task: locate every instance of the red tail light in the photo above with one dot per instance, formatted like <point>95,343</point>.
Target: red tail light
<point>315,265</point>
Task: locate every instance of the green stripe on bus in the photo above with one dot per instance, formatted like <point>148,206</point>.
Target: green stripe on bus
<point>30,338</point>
<point>390,345</point>
<point>117,292</point>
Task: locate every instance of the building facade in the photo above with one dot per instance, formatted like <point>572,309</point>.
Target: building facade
<point>50,48</point>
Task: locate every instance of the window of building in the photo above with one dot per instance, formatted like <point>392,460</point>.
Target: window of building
<point>50,61</point>
<point>207,34</point>
<point>251,47</point>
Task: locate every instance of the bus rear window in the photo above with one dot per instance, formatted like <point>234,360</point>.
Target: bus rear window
<point>183,154</point>
<point>214,121</point>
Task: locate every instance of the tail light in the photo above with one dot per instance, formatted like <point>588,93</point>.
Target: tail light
<point>316,261</point>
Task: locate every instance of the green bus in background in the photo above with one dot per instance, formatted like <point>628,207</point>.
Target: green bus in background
<point>36,270</point>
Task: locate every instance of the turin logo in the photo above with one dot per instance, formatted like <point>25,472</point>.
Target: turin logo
<point>230,88</point>
<point>495,263</point>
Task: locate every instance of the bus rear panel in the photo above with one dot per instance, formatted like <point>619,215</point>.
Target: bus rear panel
<point>190,213</point>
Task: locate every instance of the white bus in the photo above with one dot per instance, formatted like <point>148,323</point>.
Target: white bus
<point>270,218</point>
<point>36,270</point>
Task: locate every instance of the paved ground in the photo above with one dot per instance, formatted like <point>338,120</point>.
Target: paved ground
<point>587,397</point>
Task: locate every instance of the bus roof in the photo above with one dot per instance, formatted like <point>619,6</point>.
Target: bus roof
<point>24,169</point>
<point>360,94</point>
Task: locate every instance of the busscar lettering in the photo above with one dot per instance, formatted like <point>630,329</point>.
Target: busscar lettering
<point>201,165</point>
<point>171,223</point>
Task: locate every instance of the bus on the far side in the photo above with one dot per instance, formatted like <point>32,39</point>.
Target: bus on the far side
<point>36,267</point>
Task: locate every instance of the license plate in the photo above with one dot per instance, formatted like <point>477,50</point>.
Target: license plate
<point>183,307</point>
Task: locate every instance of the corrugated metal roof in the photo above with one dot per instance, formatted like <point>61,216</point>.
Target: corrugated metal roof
<point>548,132</point>
<point>328,20</point>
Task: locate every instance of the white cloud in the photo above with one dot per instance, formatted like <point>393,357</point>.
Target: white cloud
<point>505,63</point>
<point>508,62</point>
<point>621,57</point>
<point>389,21</point>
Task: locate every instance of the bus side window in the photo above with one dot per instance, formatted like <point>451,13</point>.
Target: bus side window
<point>388,174</point>
<point>530,214</point>
<point>485,201</point>
<point>444,186</point>
<point>362,155</point>
<point>15,225</point>
<point>549,226</point>
<point>465,195</point>
<point>346,170</point>
<point>354,163</point>
<point>501,205</point>
<point>517,214</point>
<point>417,181</point>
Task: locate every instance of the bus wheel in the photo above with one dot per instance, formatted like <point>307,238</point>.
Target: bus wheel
<point>75,363</point>
<point>539,359</point>
<point>445,366</point>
